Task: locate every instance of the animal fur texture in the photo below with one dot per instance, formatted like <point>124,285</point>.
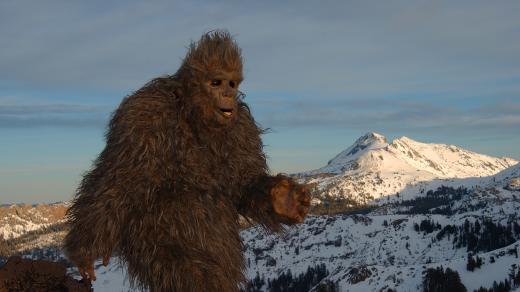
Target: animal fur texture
<point>166,192</point>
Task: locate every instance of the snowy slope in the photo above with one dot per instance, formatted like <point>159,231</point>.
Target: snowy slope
<point>396,255</point>
<point>387,246</point>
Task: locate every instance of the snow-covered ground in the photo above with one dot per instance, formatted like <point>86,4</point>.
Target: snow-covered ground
<point>395,253</point>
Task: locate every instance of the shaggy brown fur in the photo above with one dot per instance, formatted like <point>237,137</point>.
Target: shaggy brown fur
<point>20,274</point>
<point>166,192</point>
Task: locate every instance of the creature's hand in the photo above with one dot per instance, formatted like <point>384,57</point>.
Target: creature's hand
<point>291,201</point>
<point>86,268</point>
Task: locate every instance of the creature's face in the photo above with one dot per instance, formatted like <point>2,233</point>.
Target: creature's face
<point>221,88</point>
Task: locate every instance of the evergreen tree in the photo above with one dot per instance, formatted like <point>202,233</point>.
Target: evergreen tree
<point>286,282</point>
<point>438,280</point>
<point>470,266</point>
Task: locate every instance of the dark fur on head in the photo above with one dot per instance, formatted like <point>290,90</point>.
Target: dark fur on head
<point>215,51</point>
<point>166,192</point>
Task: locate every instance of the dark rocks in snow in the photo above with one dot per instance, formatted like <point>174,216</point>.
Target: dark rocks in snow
<point>270,261</point>
<point>336,242</point>
<point>356,275</point>
<point>397,223</point>
<point>365,220</point>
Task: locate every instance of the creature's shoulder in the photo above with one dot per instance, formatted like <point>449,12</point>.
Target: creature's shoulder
<point>147,109</point>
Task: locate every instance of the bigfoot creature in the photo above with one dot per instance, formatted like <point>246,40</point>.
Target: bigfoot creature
<point>183,159</point>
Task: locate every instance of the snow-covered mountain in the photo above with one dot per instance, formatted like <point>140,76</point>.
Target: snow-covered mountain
<point>373,169</point>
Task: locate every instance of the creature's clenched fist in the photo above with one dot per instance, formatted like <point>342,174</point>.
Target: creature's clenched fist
<point>291,201</point>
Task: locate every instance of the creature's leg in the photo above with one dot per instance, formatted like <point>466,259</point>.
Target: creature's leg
<point>185,245</point>
<point>183,271</point>
<point>201,274</point>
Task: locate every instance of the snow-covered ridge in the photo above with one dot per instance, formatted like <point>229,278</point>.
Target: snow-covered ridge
<point>447,161</point>
<point>16,220</point>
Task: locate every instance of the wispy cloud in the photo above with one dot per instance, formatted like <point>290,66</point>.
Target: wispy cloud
<point>351,47</point>
<point>31,109</point>
<point>364,54</point>
<point>54,115</point>
<point>394,115</point>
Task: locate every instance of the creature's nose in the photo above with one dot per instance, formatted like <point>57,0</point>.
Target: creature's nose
<point>229,92</point>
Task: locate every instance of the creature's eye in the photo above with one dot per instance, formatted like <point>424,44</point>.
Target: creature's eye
<point>216,82</point>
<point>232,83</point>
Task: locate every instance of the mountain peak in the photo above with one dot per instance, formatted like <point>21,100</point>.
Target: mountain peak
<point>367,142</point>
<point>371,137</point>
<point>370,140</point>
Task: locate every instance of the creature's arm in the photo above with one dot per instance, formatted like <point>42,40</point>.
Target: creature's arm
<point>275,200</point>
<point>125,175</point>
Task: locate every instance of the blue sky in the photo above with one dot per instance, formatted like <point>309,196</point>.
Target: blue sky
<point>318,73</point>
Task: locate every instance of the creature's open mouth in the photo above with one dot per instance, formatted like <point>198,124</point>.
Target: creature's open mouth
<point>226,112</point>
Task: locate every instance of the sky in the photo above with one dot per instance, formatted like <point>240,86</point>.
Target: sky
<point>318,74</point>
